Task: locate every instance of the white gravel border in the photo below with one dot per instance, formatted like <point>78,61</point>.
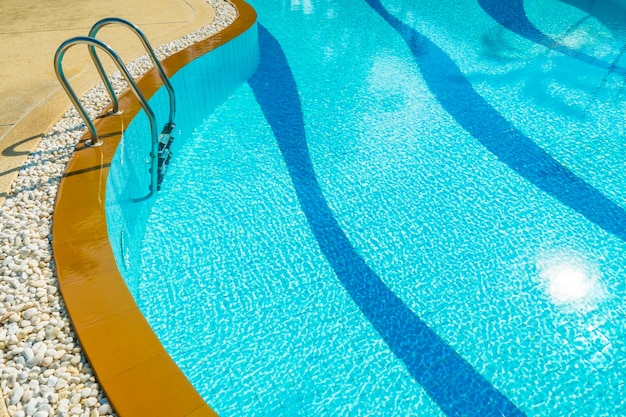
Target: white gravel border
<point>43,372</point>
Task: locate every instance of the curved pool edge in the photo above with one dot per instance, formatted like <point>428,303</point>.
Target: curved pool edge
<point>134,370</point>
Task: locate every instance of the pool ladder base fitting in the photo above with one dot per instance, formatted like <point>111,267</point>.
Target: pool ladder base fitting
<point>95,142</point>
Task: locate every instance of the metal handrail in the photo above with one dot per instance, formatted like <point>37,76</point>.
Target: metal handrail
<point>92,51</point>
<point>95,141</point>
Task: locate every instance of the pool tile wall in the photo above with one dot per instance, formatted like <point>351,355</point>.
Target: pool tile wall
<point>128,201</point>
<point>138,376</point>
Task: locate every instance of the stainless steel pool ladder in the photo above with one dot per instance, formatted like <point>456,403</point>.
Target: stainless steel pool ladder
<point>160,151</point>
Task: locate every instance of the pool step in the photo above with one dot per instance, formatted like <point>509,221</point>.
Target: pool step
<point>165,143</point>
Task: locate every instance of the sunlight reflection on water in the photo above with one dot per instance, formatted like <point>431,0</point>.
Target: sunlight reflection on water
<point>571,280</point>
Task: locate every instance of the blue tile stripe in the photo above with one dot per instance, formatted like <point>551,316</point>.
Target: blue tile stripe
<point>458,97</point>
<point>456,387</point>
<point>511,15</point>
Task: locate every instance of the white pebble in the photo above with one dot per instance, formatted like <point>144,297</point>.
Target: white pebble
<point>28,314</point>
<point>53,398</point>
<point>31,407</point>
<point>52,381</point>
<point>34,361</point>
<point>52,333</point>
<point>104,409</point>
<point>28,394</point>
<point>58,354</point>
<point>76,410</point>
<point>26,352</point>
<point>64,405</point>
<point>16,395</point>
<point>75,398</point>
<point>39,348</point>
<point>60,384</point>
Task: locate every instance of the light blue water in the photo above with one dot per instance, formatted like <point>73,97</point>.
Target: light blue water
<point>412,208</point>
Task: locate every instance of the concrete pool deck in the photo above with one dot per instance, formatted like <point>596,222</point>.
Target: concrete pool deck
<point>31,98</point>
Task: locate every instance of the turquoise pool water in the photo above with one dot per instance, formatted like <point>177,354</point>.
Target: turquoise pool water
<point>410,209</point>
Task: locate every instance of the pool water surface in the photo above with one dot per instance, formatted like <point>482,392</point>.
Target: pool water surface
<point>410,209</point>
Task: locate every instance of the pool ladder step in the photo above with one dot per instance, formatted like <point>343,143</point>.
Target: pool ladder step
<point>165,154</point>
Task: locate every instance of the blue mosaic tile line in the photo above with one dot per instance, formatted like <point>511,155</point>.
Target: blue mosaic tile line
<point>448,379</point>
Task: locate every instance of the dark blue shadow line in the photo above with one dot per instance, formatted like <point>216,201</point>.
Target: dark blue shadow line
<point>457,96</point>
<point>457,388</point>
<point>511,15</point>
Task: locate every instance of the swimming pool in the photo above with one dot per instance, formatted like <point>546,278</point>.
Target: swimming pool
<point>408,209</point>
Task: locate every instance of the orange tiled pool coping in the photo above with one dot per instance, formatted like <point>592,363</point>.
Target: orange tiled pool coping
<point>137,375</point>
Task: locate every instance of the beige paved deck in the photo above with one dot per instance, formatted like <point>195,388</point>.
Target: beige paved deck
<point>3,408</point>
<point>31,99</point>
